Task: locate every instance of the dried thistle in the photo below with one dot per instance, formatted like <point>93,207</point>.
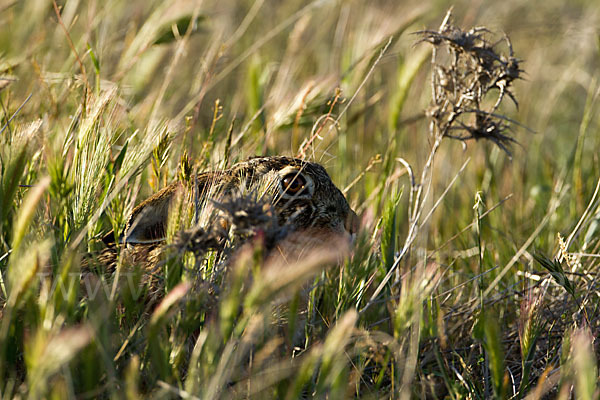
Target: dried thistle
<point>234,221</point>
<point>470,79</point>
<point>250,215</point>
<point>467,69</point>
<point>198,240</point>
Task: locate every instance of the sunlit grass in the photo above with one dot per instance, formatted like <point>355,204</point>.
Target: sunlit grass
<point>441,296</point>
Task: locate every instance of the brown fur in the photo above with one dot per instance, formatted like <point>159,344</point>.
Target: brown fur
<point>317,214</point>
<point>327,208</point>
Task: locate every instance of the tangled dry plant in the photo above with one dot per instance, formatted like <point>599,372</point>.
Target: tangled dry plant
<point>470,78</point>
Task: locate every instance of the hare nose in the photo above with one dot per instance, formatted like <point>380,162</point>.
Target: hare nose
<point>352,223</point>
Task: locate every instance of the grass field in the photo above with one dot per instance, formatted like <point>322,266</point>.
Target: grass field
<point>475,274</point>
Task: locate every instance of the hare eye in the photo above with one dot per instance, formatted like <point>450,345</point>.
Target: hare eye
<point>293,183</point>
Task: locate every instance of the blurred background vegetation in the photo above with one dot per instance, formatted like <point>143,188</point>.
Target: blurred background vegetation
<point>107,99</point>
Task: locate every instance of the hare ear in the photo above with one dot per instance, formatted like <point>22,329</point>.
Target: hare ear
<point>148,222</point>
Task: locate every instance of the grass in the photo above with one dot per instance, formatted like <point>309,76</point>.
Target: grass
<point>475,271</point>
